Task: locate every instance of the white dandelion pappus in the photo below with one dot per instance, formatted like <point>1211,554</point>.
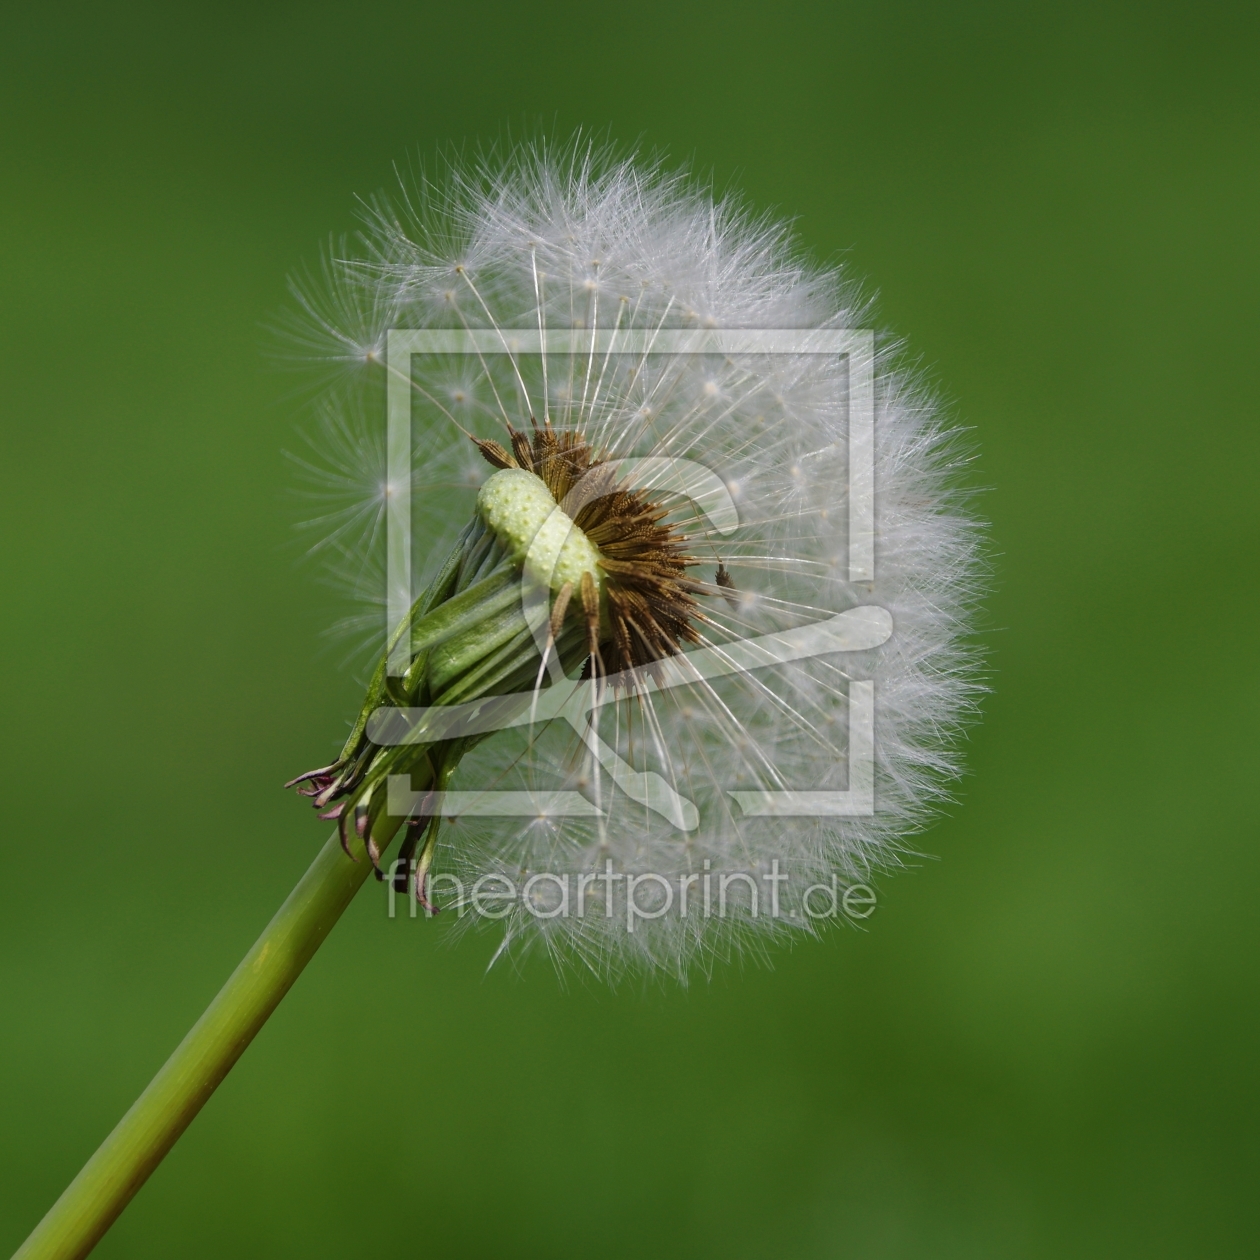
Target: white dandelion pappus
<point>660,859</point>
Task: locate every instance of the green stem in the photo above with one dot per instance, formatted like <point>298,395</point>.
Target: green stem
<point>141,1139</point>
<point>475,621</point>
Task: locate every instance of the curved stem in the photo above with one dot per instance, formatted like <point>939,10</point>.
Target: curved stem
<point>141,1139</point>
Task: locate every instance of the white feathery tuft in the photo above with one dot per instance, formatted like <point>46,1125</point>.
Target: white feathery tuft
<point>577,238</point>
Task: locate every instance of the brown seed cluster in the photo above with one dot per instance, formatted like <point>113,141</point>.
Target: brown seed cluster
<point>650,601</point>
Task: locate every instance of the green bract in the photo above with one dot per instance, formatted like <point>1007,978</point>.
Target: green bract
<point>468,638</point>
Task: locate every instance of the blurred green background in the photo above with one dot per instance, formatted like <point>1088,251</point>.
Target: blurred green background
<point>1044,1045</point>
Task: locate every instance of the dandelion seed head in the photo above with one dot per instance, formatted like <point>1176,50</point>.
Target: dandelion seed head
<point>574,241</point>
